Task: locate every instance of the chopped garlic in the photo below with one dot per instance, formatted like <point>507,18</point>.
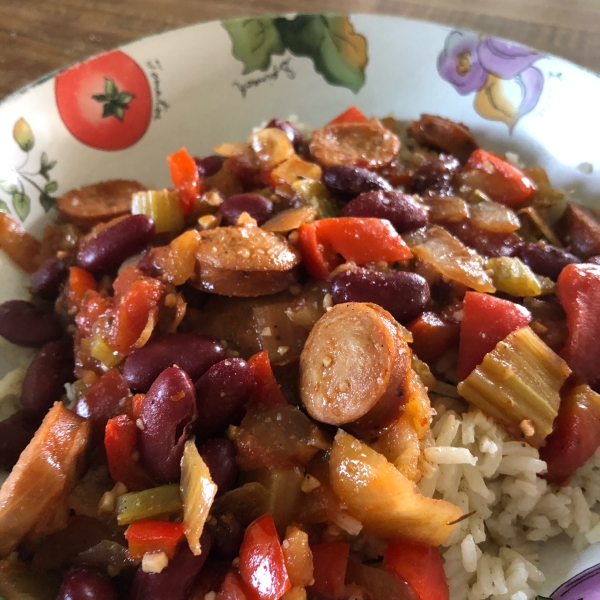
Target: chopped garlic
<point>154,562</point>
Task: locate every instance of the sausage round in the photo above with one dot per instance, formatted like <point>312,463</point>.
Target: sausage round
<point>244,261</point>
<point>98,202</point>
<point>353,367</point>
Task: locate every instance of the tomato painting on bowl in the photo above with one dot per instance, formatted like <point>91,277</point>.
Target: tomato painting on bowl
<point>105,102</point>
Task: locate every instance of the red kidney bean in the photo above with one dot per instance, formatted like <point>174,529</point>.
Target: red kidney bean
<point>545,259</point>
<point>401,210</point>
<point>15,433</point>
<point>247,174</point>
<point>108,248</point>
<point>219,456</point>
<point>25,325</point>
<point>292,132</point>
<point>46,281</point>
<point>220,395</point>
<point>486,243</point>
<point>192,352</point>
<point>167,413</point>
<point>257,206</point>
<point>209,165</point>
<point>405,295</point>
<point>435,175</point>
<point>46,376</point>
<point>175,580</point>
<point>148,266</point>
<point>86,583</point>
<point>227,534</point>
<point>348,182</point>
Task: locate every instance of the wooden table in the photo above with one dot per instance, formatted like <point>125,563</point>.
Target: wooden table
<point>37,36</point>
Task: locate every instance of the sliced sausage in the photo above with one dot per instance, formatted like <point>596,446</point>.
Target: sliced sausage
<point>444,135</point>
<point>42,477</point>
<point>244,261</point>
<point>354,366</point>
<point>368,145</point>
<point>102,201</point>
<point>579,228</point>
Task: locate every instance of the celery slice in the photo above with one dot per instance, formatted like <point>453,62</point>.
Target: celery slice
<point>162,206</point>
<point>316,194</point>
<point>155,502</point>
<point>518,384</point>
<point>514,277</point>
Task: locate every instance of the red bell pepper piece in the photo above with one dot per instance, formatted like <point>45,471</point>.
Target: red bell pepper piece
<point>120,442</point>
<point>231,588</point>
<point>350,115</point>
<point>432,336</point>
<point>262,564</point>
<point>80,283</point>
<point>420,566</point>
<point>133,313</point>
<point>106,398</point>
<point>486,321</point>
<point>360,240</point>
<point>497,178</point>
<point>575,435</point>
<point>330,561</point>
<point>578,289</point>
<point>185,177</point>
<point>267,392</point>
<point>153,536</point>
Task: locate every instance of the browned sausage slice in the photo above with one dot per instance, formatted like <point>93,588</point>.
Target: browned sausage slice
<point>244,261</point>
<point>368,145</point>
<point>44,474</point>
<point>579,228</point>
<point>102,201</point>
<point>353,367</point>
<point>444,135</point>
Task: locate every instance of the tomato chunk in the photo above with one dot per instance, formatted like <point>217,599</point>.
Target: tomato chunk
<point>262,564</point>
<point>575,435</point>
<point>185,177</point>
<point>360,240</point>
<point>420,566</point>
<point>330,561</point>
<point>486,321</point>
<point>231,588</point>
<point>432,336</point>
<point>80,283</point>
<point>350,115</point>
<point>120,443</point>
<point>578,289</point>
<point>153,536</point>
<point>267,392</point>
<point>497,178</point>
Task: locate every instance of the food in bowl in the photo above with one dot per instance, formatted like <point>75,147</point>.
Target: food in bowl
<point>355,364</point>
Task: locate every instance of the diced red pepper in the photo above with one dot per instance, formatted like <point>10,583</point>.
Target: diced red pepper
<point>267,392</point>
<point>330,561</point>
<point>153,536</point>
<point>185,177</point>
<point>106,398</point>
<point>80,283</point>
<point>420,566</point>
<point>350,115</point>
<point>497,178</point>
<point>575,435</point>
<point>133,312</point>
<point>360,240</point>
<point>486,321</point>
<point>120,443</point>
<point>232,588</point>
<point>578,289</point>
<point>432,336</point>
<point>262,564</point>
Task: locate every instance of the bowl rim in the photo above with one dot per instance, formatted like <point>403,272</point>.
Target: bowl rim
<point>51,74</point>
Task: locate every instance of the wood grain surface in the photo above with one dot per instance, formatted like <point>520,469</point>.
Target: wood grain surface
<point>38,36</point>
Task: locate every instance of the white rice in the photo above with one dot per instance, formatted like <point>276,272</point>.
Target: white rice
<point>493,553</point>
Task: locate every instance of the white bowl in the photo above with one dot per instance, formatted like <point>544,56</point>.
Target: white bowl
<point>212,82</point>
